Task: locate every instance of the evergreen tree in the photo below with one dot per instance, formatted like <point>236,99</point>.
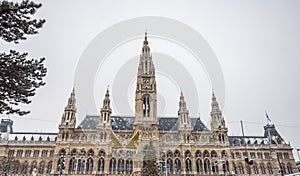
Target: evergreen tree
<point>20,76</point>
<point>150,167</point>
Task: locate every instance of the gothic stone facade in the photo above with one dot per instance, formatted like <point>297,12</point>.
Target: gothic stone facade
<point>111,145</point>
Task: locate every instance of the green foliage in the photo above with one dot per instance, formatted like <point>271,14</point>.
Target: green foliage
<point>20,76</point>
<point>16,20</point>
<point>150,166</point>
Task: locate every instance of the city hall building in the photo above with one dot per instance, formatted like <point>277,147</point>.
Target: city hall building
<point>114,145</point>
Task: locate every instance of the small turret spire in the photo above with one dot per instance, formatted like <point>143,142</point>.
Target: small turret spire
<point>146,41</point>
<point>183,114</point>
<point>146,48</point>
<point>72,101</point>
<point>214,103</point>
<point>182,103</point>
<point>105,111</point>
<point>106,101</point>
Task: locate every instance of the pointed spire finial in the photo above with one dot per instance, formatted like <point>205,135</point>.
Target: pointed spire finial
<point>72,100</point>
<point>146,41</point>
<point>107,91</point>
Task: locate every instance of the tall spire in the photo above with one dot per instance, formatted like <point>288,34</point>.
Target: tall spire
<point>146,65</point>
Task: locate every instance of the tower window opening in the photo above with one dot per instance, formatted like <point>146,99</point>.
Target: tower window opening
<point>146,106</point>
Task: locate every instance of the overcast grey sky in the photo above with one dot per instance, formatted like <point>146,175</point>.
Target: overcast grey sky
<point>256,42</point>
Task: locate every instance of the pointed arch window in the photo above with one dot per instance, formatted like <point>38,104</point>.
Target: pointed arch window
<point>169,165</point>
<point>89,165</point>
<point>146,105</point>
<point>177,166</point>
<point>262,168</point>
<point>188,165</point>
<point>49,167</point>
<point>129,166</point>
<point>241,169</point>
<point>121,166</point>
<point>72,165</point>
<point>112,165</point>
<point>206,166</point>
<point>101,164</point>
<point>255,169</point>
<point>199,165</point>
<point>270,170</point>
<point>289,168</point>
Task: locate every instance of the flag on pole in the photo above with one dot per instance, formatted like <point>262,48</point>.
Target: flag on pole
<point>268,118</point>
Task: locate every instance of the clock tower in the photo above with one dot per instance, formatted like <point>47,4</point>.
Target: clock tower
<point>145,96</point>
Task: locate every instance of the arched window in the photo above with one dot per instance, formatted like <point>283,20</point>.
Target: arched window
<point>188,165</point>
<point>289,168</point>
<point>169,154</point>
<point>112,165</point>
<point>101,164</point>
<point>146,105</point>
<point>283,168</point>
<point>80,166</point>
<point>198,154</point>
<point>262,168</point>
<point>63,136</point>
<point>223,154</point>
<point>67,136</point>
<point>225,166</point>
<point>82,152</point>
<point>234,168</point>
<point>24,168</point>
<point>62,152</point>
<point>89,165</point>
<point>205,154</point>
<point>121,166</point>
<point>162,160</point>
<point>241,168</point>
<point>255,169</point>
<point>176,153</point>
<point>49,167</point>
<point>188,154</point>
<point>91,152</point>
<point>169,165</point>
<point>73,152</point>
<point>213,154</point>
<point>15,167</point>
<point>72,165</point>
<point>177,166</point>
<point>270,170</point>
<point>206,166</point>
<point>41,167</point>
<point>129,166</point>
<point>102,153</point>
<point>33,166</point>
<point>199,165</point>
<point>215,167</point>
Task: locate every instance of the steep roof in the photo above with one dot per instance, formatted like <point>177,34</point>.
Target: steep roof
<point>126,123</point>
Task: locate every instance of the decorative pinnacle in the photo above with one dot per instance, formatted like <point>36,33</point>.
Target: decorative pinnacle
<point>146,41</point>
<point>107,91</point>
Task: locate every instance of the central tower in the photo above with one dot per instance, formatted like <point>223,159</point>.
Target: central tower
<point>145,95</point>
